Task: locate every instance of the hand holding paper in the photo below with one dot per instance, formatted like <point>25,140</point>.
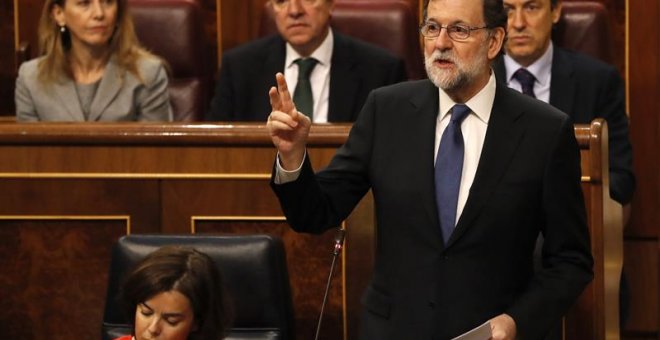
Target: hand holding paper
<point>503,327</point>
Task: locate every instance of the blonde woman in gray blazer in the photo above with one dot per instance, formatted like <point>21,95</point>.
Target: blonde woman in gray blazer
<point>92,68</point>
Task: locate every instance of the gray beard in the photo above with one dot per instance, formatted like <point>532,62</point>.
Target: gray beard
<point>445,80</point>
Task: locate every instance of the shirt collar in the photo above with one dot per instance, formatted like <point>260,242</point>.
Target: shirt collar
<point>481,103</point>
<point>541,68</point>
<point>323,54</point>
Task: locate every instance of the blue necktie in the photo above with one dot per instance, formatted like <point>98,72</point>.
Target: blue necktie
<point>526,80</point>
<point>448,168</point>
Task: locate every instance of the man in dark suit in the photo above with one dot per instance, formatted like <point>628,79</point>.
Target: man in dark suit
<point>583,87</point>
<point>345,69</point>
<point>455,239</point>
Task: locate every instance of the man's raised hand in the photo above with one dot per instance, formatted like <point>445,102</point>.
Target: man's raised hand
<point>288,127</point>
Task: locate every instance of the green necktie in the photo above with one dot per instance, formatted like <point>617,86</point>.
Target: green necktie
<point>302,95</point>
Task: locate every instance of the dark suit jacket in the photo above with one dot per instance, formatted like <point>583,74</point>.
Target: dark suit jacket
<point>527,180</point>
<point>586,88</point>
<point>248,72</point>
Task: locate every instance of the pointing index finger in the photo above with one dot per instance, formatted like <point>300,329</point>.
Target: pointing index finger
<point>285,97</point>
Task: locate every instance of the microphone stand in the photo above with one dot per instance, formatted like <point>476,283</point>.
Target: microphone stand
<point>339,242</point>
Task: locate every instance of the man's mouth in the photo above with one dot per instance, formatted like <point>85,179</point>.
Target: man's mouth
<point>519,38</point>
<point>442,62</point>
<point>297,25</point>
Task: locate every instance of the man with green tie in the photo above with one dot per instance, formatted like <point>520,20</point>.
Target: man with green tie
<point>331,73</point>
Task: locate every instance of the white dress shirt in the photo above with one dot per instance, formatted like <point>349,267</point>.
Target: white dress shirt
<point>541,69</point>
<point>320,77</point>
<point>473,128</point>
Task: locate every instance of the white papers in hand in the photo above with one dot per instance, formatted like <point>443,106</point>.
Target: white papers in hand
<point>480,333</point>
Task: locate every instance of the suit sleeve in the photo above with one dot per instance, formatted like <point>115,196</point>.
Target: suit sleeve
<point>611,107</point>
<point>222,104</point>
<point>25,109</point>
<point>567,260</point>
<point>315,203</point>
<point>154,99</point>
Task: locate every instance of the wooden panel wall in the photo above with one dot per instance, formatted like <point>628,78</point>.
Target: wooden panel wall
<point>52,275</point>
<point>641,70</point>
<point>641,237</point>
<point>29,12</point>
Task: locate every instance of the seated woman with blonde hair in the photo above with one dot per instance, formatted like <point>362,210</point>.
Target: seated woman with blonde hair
<point>176,293</point>
<point>92,68</point>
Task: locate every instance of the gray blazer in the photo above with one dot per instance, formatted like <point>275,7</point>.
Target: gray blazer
<point>120,95</point>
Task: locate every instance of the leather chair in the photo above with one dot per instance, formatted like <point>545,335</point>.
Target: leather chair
<point>389,24</point>
<point>173,30</point>
<point>584,27</point>
<point>254,270</point>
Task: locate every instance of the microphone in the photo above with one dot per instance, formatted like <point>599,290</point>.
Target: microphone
<point>339,244</point>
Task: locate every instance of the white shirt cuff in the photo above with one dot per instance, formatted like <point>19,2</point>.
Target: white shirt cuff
<point>285,176</point>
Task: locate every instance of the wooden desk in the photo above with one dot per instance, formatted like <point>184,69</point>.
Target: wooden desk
<point>70,190</point>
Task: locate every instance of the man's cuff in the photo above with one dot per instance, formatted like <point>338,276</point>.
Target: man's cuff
<point>285,176</point>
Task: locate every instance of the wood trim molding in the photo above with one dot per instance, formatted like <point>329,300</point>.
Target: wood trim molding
<point>218,33</point>
<point>126,218</point>
<point>626,56</point>
<point>55,133</point>
<point>109,175</point>
<point>16,26</point>
<point>249,218</point>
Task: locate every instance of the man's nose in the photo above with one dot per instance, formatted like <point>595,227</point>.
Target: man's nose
<point>295,7</point>
<point>517,19</point>
<point>443,41</point>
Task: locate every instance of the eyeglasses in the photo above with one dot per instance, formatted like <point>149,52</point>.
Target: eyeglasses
<point>456,32</point>
<point>283,4</point>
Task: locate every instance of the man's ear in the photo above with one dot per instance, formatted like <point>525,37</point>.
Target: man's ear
<point>331,3</point>
<point>496,42</point>
<point>556,12</point>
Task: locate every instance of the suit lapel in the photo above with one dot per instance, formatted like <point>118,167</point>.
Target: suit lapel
<point>562,86</point>
<point>344,81</point>
<point>109,87</point>
<point>422,139</point>
<point>66,92</point>
<point>273,63</point>
<point>502,139</point>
